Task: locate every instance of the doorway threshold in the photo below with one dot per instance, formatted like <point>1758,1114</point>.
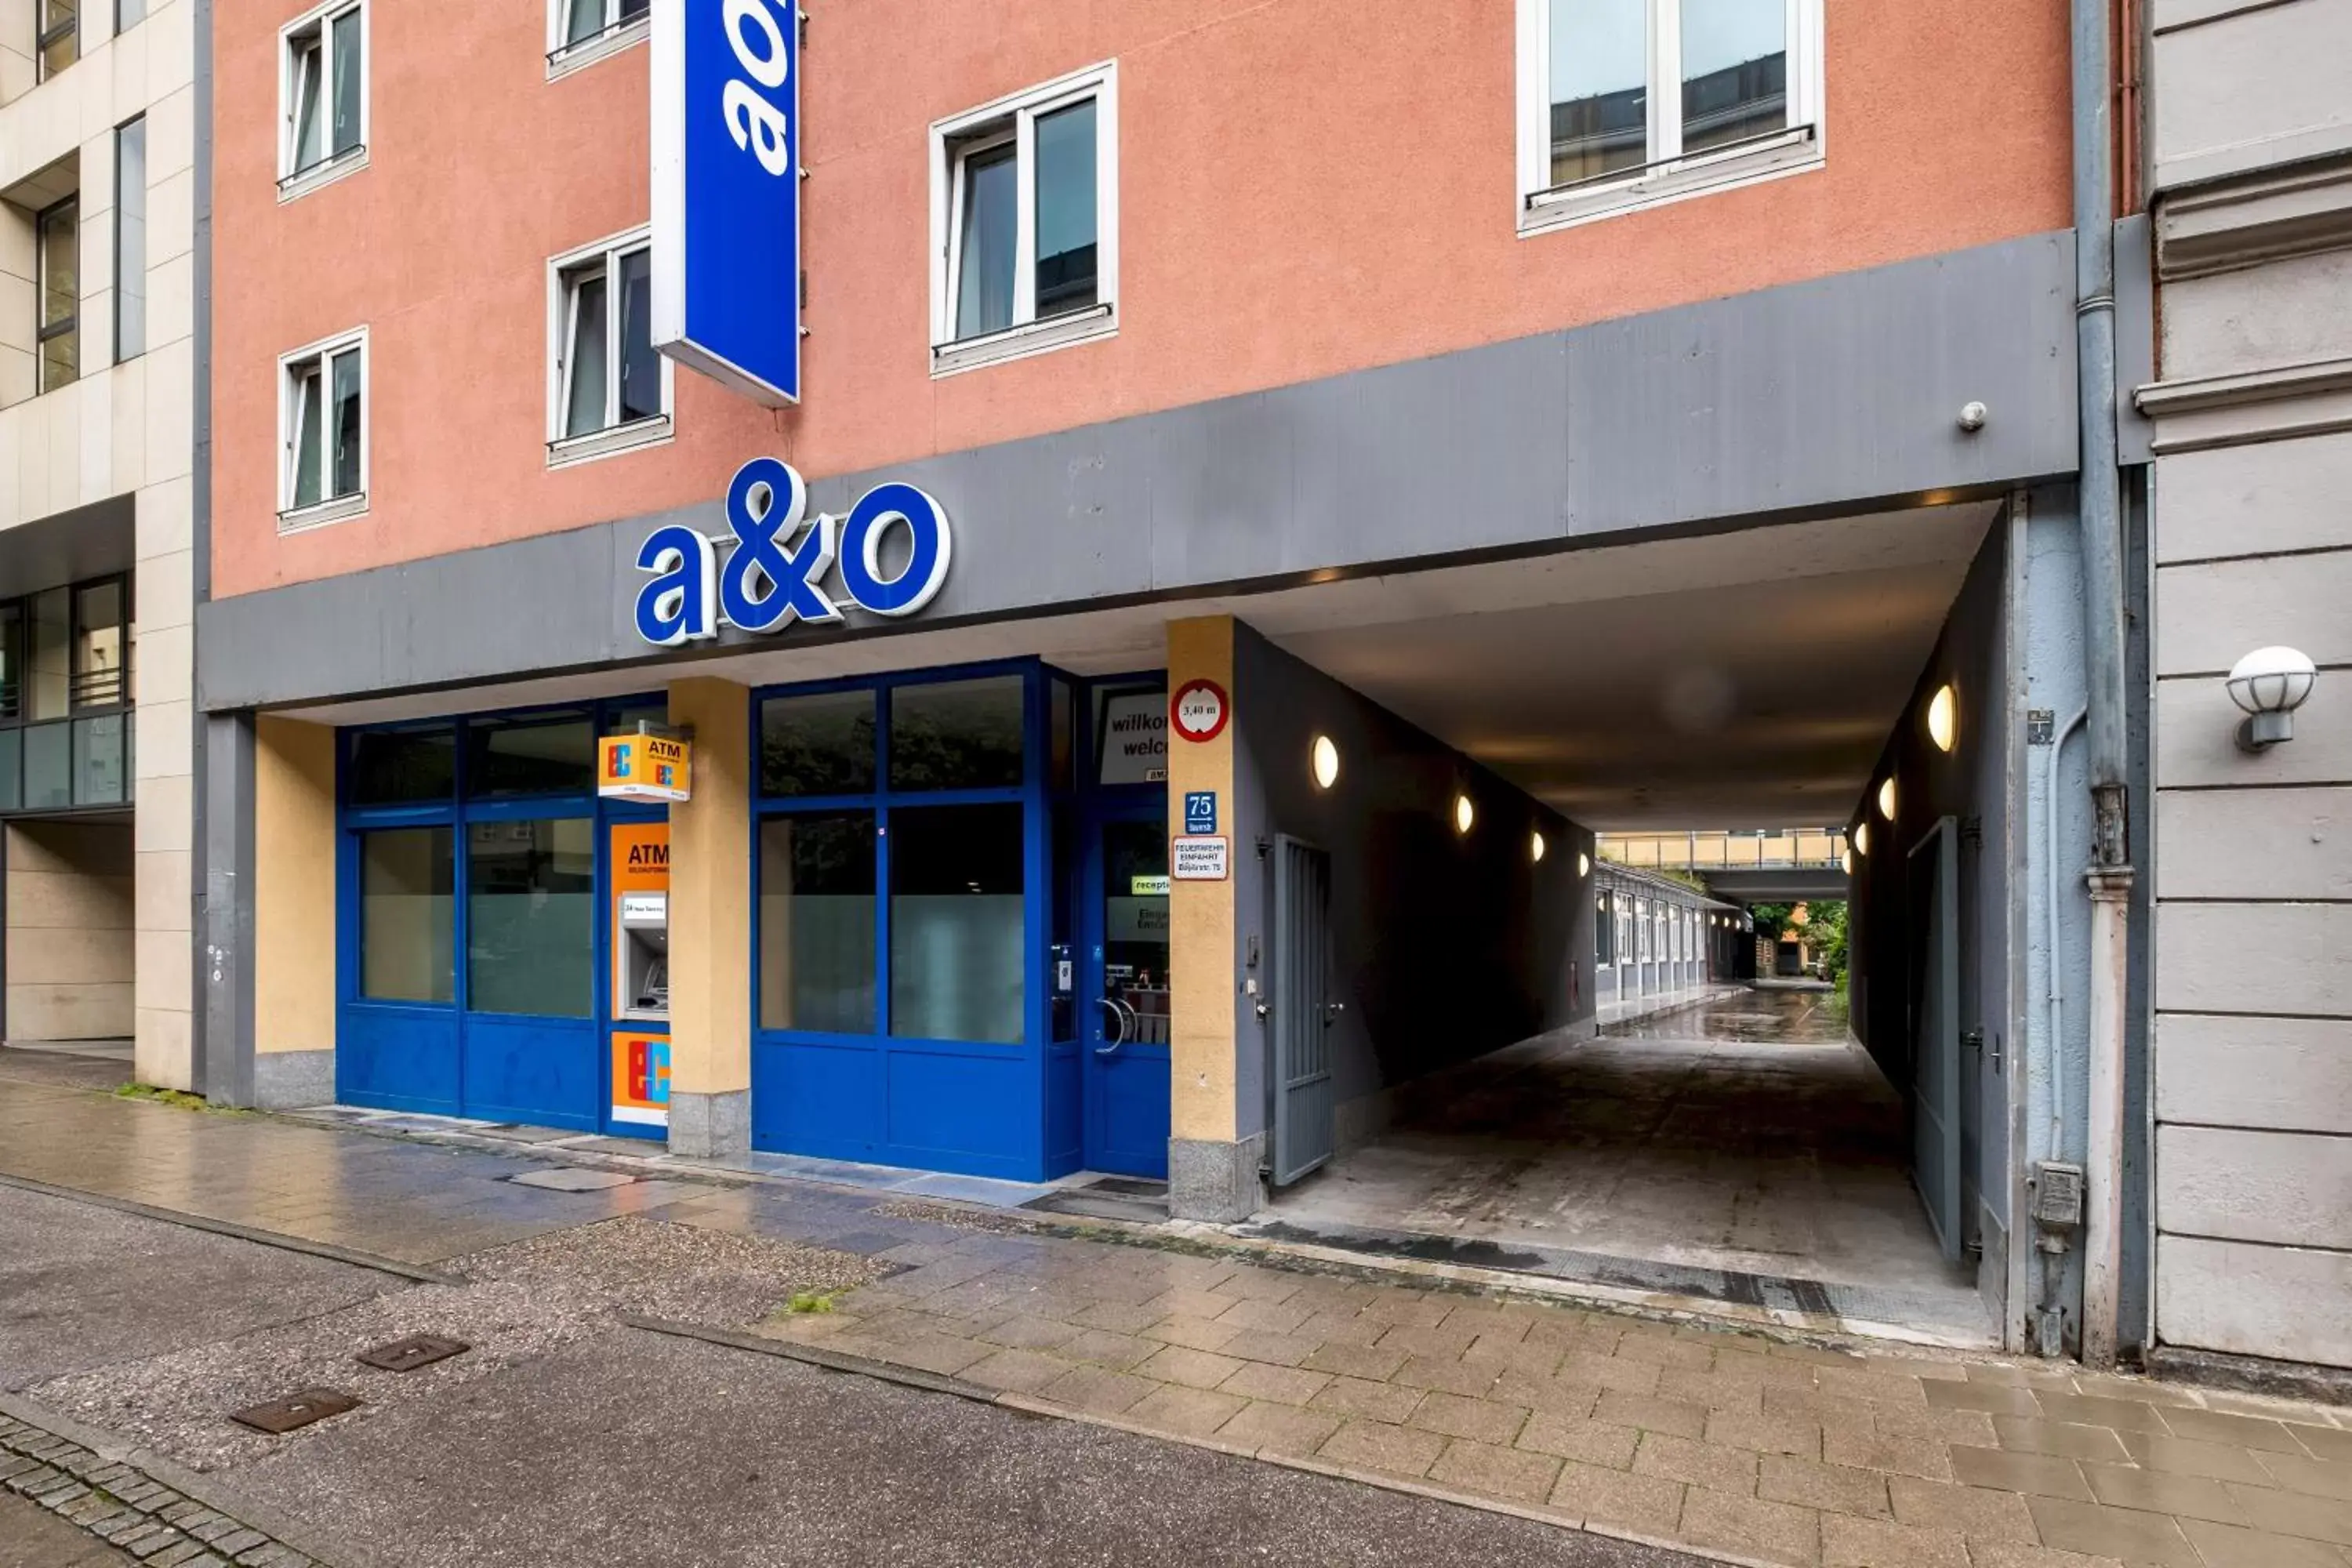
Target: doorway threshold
<point>1816,1306</point>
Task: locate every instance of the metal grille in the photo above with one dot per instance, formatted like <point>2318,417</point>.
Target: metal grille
<point>1302,1016</point>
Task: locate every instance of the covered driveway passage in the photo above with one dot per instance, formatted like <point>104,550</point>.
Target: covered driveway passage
<point>1842,1160</point>
<point>1743,1151</point>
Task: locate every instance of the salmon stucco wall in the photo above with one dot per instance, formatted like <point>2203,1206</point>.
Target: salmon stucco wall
<point>1307,187</point>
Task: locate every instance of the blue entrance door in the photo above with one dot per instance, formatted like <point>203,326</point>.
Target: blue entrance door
<point>1126,992</point>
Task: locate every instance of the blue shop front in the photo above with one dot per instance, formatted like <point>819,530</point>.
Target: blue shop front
<point>960,908</point>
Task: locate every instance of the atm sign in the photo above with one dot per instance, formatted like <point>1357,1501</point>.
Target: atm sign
<point>645,767</point>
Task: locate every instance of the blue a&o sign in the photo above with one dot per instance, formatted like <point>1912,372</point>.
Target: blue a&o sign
<point>725,192</point>
<point>776,572</point>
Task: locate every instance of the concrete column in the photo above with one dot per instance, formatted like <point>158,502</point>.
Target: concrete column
<point>294,913</point>
<point>1212,1173</point>
<point>710,926</point>
<point>221,1037</point>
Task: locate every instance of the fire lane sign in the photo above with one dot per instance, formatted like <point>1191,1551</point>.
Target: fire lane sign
<point>1197,859</point>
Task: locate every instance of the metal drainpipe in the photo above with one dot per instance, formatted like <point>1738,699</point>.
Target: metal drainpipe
<point>2110,873</point>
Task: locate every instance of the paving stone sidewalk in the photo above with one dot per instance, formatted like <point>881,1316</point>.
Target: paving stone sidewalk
<point>1728,1442</point>
<point>128,1509</point>
<point>1702,1437</point>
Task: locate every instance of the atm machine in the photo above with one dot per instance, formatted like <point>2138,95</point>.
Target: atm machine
<point>638,1006</point>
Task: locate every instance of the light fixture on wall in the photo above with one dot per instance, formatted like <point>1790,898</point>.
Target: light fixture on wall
<point>1325,762</point>
<point>1943,717</point>
<point>1465,814</point>
<point>2268,685</point>
<point>1886,799</point>
<point>1536,845</point>
<point>1861,838</point>
<point>1846,861</point>
<point>1583,864</point>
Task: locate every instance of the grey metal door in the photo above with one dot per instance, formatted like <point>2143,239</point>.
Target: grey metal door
<point>1935,995</point>
<point>1302,1010</point>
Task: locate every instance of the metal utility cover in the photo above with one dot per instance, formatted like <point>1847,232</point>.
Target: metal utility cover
<point>297,1409</point>
<point>570,1179</point>
<point>408,1354</point>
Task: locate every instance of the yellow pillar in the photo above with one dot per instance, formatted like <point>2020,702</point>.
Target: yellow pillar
<point>710,925</point>
<point>1212,1174</point>
<point>294,912</point>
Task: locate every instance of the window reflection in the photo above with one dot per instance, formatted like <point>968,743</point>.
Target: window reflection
<point>961,734</point>
<point>817,922</point>
<point>530,892</point>
<point>1599,88</point>
<point>1735,70</point>
<point>407,900</point>
<point>817,745</point>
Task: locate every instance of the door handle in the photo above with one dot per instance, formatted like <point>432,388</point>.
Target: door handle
<point>1121,1015</point>
<point>1331,1010</point>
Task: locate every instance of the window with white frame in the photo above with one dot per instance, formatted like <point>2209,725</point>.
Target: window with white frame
<point>574,24</point>
<point>1025,222</point>
<point>322,402</point>
<point>607,388</point>
<point>1623,103</point>
<point>324,89</point>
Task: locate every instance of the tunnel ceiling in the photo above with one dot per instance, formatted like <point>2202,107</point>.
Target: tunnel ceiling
<point>1744,679</point>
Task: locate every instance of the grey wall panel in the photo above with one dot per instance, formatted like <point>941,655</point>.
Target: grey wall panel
<point>2215,613</point>
<point>2286,1303</point>
<point>1843,387</point>
<point>1835,393</point>
<point>2293,1075</point>
<point>2195,722</point>
<point>2254,842</point>
<point>2255,958</point>
<point>2290,1189</point>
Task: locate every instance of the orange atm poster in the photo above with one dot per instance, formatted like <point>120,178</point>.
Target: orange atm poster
<point>641,1080</point>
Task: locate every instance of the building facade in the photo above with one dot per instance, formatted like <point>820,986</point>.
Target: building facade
<point>2250,164</point>
<point>99,194</point>
<point>1371,458</point>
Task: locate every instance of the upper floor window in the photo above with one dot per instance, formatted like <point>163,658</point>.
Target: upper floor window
<point>608,389</point>
<point>58,38</point>
<point>57,239</point>
<point>1623,103</point>
<point>1025,220</point>
<point>323,413</point>
<point>131,239</point>
<point>324,92</point>
<point>580,32</point>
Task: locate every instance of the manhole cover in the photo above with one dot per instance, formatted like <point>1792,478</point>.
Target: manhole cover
<point>408,1354</point>
<point>569,1180</point>
<point>297,1409</point>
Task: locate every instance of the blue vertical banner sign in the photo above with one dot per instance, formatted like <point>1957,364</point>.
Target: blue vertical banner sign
<point>726,192</point>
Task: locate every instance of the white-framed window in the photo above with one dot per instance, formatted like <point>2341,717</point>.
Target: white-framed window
<point>608,390</point>
<point>323,432</point>
<point>581,32</point>
<point>1024,222</point>
<point>1629,103</point>
<point>322,97</point>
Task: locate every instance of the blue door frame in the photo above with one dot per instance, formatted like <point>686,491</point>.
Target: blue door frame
<point>444,1057</point>
<point>1126,1079</point>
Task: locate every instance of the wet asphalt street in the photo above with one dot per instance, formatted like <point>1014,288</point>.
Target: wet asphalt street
<point>621,1446</point>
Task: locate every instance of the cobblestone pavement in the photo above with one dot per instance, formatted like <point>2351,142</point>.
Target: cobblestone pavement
<point>123,1507</point>
<point>1762,1449</point>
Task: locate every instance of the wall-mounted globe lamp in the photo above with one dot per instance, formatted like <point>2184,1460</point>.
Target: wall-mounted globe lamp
<point>1861,838</point>
<point>1325,762</point>
<point>1535,847</point>
<point>1886,799</point>
<point>1944,718</point>
<point>1583,864</point>
<point>2268,685</point>
<point>1465,814</point>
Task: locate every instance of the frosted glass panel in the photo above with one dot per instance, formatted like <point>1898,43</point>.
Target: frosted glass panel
<point>407,905</point>
<point>530,896</point>
<point>956,935</point>
<point>816,923</point>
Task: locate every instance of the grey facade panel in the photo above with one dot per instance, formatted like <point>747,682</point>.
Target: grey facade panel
<point>1839,392</point>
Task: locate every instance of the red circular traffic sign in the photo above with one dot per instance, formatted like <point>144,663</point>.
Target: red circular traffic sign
<point>1199,709</point>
